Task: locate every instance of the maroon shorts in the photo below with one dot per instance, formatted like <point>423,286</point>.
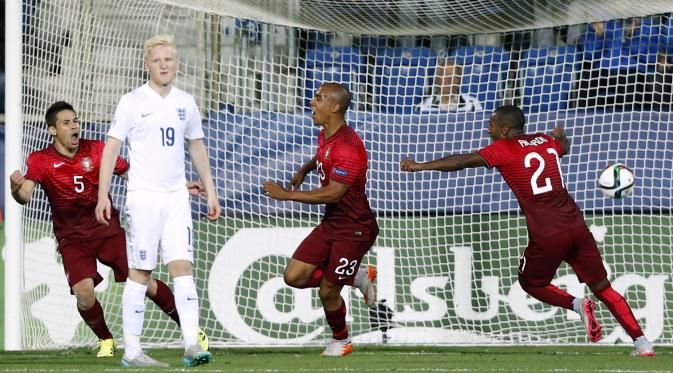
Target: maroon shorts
<point>340,259</point>
<point>79,258</point>
<point>577,247</point>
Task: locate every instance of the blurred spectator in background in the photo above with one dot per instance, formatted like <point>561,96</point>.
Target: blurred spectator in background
<point>661,86</point>
<point>445,95</point>
<point>610,75</point>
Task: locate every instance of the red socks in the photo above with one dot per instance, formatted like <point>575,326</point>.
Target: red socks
<point>337,321</point>
<point>550,294</point>
<point>620,310</point>
<point>166,301</point>
<point>95,318</point>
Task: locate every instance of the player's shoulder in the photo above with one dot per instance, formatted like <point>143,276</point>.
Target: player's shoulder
<point>183,96</point>
<point>350,136</point>
<point>86,145</point>
<point>40,157</point>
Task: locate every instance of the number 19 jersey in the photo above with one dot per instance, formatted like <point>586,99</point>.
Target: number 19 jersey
<point>155,128</point>
<point>531,167</point>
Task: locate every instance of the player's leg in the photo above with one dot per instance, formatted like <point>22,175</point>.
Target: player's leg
<point>335,313</point>
<point>537,267</point>
<point>586,261</point>
<point>305,269</point>
<point>342,269</point>
<point>163,297</point>
<point>92,314</point>
<point>178,253</point>
<point>365,280</point>
<point>79,263</point>
<point>142,239</point>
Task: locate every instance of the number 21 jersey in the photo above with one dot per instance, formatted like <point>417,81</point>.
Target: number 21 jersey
<point>531,167</point>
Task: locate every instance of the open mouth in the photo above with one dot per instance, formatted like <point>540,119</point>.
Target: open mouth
<point>75,138</point>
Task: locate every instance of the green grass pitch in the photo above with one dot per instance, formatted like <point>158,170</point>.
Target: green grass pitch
<point>606,359</point>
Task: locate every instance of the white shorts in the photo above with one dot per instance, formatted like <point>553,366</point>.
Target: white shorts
<point>158,222</point>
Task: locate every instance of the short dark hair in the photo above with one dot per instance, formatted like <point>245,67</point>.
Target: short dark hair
<point>341,94</point>
<point>510,116</point>
<point>54,109</point>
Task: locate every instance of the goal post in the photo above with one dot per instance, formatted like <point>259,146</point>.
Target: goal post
<point>448,250</point>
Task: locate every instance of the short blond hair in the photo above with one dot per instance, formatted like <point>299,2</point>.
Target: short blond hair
<point>158,40</point>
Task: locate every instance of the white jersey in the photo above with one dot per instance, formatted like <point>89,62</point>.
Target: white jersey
<point>156,128</point>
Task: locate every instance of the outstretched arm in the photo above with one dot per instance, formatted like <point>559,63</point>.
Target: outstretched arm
<point>22,188</point>
<point>560,134</point>
<point>453,162</point>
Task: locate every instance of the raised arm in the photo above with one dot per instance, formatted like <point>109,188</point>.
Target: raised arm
<point>107,165</point>
<point>449,163</point>
<point>199,155</point>
<point>560,134</point>
<point>22,188</point>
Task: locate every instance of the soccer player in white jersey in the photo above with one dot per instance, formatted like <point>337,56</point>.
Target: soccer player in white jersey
<point>155,120</point>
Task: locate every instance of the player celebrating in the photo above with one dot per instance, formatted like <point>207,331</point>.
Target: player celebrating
<point>68,172</point>
<point>155,119</point>
<point>530,165</point>
<point>330,256</point>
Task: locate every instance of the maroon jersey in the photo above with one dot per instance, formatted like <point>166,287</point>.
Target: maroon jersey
<point>530,164</point>
<point>343,158</point>
<point>71,184</point>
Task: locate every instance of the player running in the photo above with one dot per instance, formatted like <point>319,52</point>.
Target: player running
<point>530,165</point>
<point>67,170</point>
<point>330,256</point>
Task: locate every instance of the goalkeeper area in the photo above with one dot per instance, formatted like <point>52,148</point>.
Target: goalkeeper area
<point>424,77</point>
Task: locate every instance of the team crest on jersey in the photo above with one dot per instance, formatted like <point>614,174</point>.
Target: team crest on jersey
<point>182,113</point>
<point>327,152</point>
<point>87,164</point>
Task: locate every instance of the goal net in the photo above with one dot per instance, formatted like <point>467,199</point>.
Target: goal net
<point>425,76</point>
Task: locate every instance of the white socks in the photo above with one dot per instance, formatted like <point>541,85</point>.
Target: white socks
<point>187,304</point>
<point>133,316</point>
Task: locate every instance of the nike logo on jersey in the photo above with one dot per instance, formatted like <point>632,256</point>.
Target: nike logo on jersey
<point>57,165</point>
<point>342,277</point>
<point>144,115</point>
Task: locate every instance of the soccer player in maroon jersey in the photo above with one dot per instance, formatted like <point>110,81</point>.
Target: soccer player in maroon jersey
<point>68,172</point>
<point>530,165</point>
<point>330,256</point>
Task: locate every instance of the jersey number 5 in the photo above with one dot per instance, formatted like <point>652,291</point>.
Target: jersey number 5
<point>537,189</point>
<point>79,184</point>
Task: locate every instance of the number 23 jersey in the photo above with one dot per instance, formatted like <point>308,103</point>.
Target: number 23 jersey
<point>531,167</point>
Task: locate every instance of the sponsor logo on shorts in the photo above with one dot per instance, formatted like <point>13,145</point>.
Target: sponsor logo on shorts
<point>143,254</point>
<point>340,172</point>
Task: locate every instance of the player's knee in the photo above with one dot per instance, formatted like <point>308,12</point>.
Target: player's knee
<point>293,279</point>
<point>525,285</point>
<point>599,286</point>
<point>85,298</point>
